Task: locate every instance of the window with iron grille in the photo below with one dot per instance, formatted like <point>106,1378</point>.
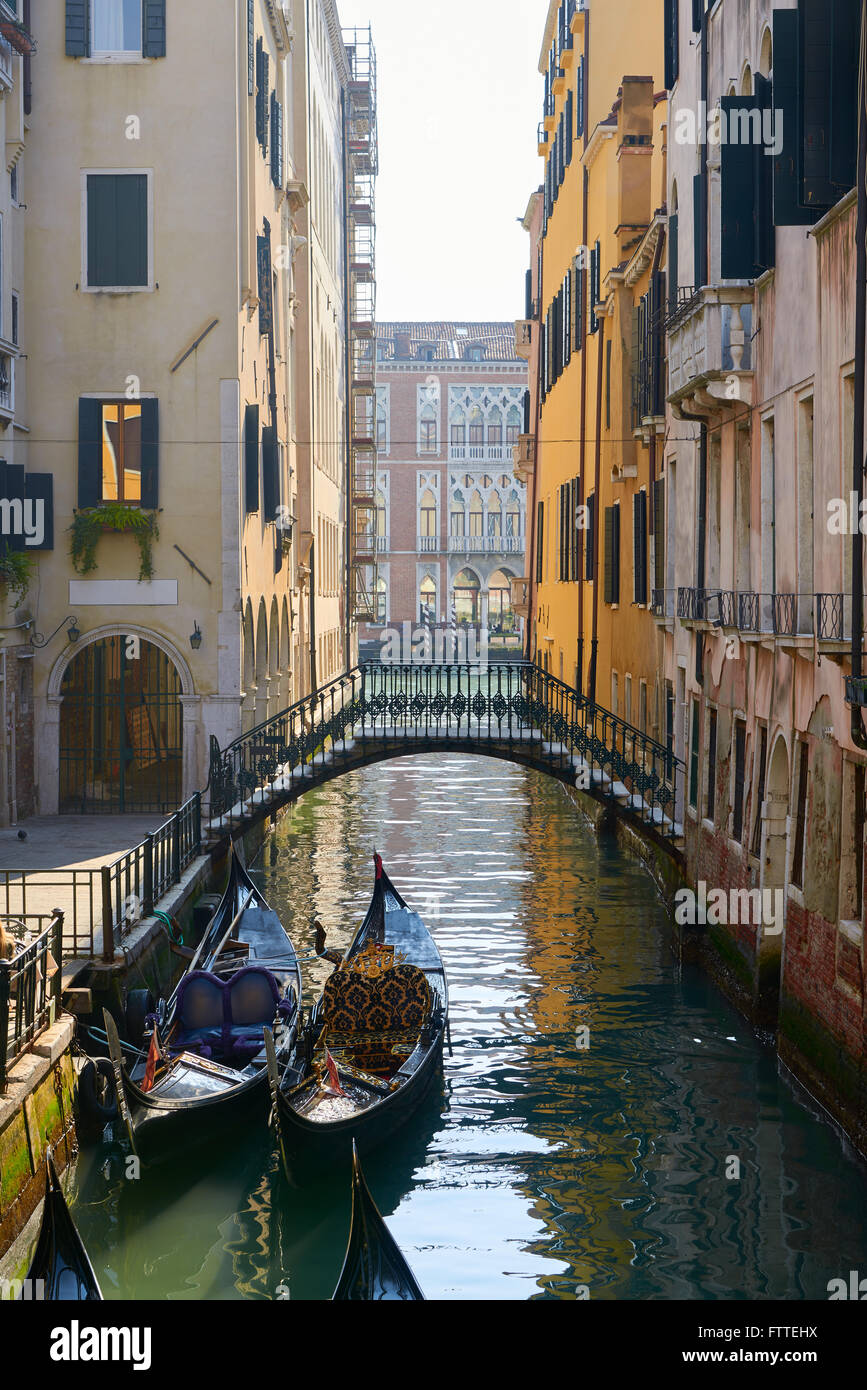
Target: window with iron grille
<point>739,772</point>
<point>757,824</point>
<point>710,794</point>
<point>693,758</point>
<point>797,869</point>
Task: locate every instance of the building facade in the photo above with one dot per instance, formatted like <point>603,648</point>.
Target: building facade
<point>185,328</point>
<point>450,512</point>
<point>601,270</point>
<point>758,479</point>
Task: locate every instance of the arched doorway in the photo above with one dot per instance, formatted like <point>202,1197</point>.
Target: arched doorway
<point>467,597</point>
<point>427,602</point>
<point>121,729</point>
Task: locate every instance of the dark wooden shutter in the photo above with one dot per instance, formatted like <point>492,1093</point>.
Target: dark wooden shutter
<point>673,268</point>
<point>608,385</point>
<point>251,458</point>
<point>594,257</point>
<point>526,412</point>
<point>639,548</point>
<point>117,229</point>
<point>608,556</point>
<point>699,232</point>
<point>570,127</point>
<point>579,98</point>
<point>270,473</point>
<point>540,541</point>
<point>576,531</point>
<point>590,534</point>
<point>89,452</point>
<point>39,487</point>
<point>154,27</point>
<point>657,343</point>
<point>266,290</point>
<point>12,486</point>
<point>276,141</point>
<point>763,184</point>
<point>740,759</point>
<point>77,28</point>
<point>150,451</point>
<point>251,47</point>
<point>697,11</point>
<point>262,66</point>
<point>788,211</point>
<point>659,535</point>
<point>635,366</point>
<point>672,27</point>
<point>528,295</point>
<point>737,195</point>
<point>828,71</point>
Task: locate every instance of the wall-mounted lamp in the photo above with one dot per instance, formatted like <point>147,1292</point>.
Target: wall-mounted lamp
<point>196,637</point>
<point>73,632</point>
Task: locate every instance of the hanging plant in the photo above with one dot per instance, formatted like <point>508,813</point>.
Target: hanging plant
<point>88,526</point>
<point>16,571</point>
<point>18,36</point>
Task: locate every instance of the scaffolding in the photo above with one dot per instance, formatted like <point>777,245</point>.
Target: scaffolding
<point>362,165</point>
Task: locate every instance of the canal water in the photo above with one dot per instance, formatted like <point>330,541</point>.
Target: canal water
<point>606,1123</point>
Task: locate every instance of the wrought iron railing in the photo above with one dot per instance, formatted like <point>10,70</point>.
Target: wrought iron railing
<point>785,614</point>
<point>748,612</point>
<point>513,707</point>
<point>29,989</point>
<point>829,617</point>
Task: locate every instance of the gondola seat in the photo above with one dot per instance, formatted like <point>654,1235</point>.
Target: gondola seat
<point>227,1018</point>
<point>394,1001</point>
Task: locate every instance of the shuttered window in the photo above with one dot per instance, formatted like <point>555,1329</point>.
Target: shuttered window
<point>788,210</point>
<point>672,27</point>
<point>710,809</point>
<point>697,11</point>
<point>659,536</point>
<point>137,27</point>
<point>639,548</point>
<point>270,473</point>
<point>829,43</point>
<point>540,541</point>
<point>737,193</point>
<point>579,99</point>
<point>699,232</point>
<point>575,567</point>
<point>77,29</point>
<point>594,267</point>
<point>764,241</point>
<point>251,47</point>
<point>612,555</point>
<point>739,767</point>
<point>673,268</point>
<point>265,283</point>
<point>251,458</point>
<point>570,128</point>
<point>117,231</point>
<point>693,757</point>
<point>590,542</point>
<point>263,64</point>
<point>118,452</point>
<point>608,385</point>
<point>760,796</point>
<point>276,141</point>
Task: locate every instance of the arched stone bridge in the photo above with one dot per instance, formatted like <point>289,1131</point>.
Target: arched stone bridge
<point>510,710</point>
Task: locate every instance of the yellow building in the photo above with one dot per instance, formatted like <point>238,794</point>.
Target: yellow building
<point>601,388</point>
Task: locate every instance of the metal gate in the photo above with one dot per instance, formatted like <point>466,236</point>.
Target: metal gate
<point>121,729</point>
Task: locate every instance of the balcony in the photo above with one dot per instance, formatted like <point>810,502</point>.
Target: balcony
<point>542,139</point>
<point>662,603</point>
<point>427,545</point>
<point>524,458</point>
<point>7,384</point>
<point>486,545</point>
<point>710,358</point>
<point>718,608</point>
<point>478,453</point>
<point>523,338</point>
<point>520,596</point>
<point>383,544</point>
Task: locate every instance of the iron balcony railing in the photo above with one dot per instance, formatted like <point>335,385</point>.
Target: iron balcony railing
<point>29,987</point>
<point>830,620</point>
<point>486,545</point>
<point>680,305</point>
<point>513,708</point>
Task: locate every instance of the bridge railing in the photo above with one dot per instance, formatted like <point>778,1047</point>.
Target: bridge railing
<point>514,705</point>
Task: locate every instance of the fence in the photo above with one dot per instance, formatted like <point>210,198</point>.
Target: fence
<point>100,905</point>
<point>29,988</point>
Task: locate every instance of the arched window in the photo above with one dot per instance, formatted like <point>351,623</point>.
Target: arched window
<point>466,597</point>
<point>380,596</point>
<point>427,429</point>
<point>513,425</point>
<point>477,433</point>
<point>495,515</point>
<point>513,516</point>
<point>427,600</point>
<point>747,81</point>
<point>458,434</point>
<point>456,516</point>
<point>495,434</point>
<point>381,515</point>
<point>501,618</point>
<point>381,427</point>
<point>477,514</point>
<point>427,515</point>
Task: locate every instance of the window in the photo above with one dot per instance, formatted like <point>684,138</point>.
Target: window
<point>738,792</point>
<point>710,804</point>
<point>540,541</point>
<point>15,319</point>
<point>251,458</point>
<point>427,604</point>
<point>693,758</point>
<point>760,795</point>
<point>476,515</point>
<point>639,548</point>
<point>116,26</point>
<point>13,183</point>
<point>612,555</point>
<point>590,543</point>
<point>428,431</point>
<point>117,452</point>
<point>427,516</point>
<point>456,519</point>
<point>117,212</point>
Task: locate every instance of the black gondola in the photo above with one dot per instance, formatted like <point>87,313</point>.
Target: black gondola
<point>244,977</point>
<point>374,1268</point>
<point>60,1269</point>
<point>379,1025</point>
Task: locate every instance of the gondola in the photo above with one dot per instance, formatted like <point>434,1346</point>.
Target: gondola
<point>377,1031</point>
<point>374,1268</point>
<point>60,1269</point>
<point>243,978</point>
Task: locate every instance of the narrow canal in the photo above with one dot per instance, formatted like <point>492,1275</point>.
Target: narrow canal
<point>553,1157</point>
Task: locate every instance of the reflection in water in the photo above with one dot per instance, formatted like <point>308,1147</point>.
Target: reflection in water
<point>593,1104</point>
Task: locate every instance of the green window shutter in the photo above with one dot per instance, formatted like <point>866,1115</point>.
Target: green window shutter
<point>579,99</point>
<point>77,28</point>
<point>737,196</point>
<point>763,182</point>
<point>659,533</point>
<point>672,36</point>
<point>39,487</point>
<point>635,366</point>
<point>574,571</point>
<point>251,47</point>
<point>829,44</point>
<point>154,28</point>
<point>89,452</point>
<point>117,229</point>
<point>788,211</point>
<point>615,563</point>
<point>608,385</point>
<point>251,458</point>
<point>276,141</point>
<point>608,557</point>
<point>639,548</point>
<point>673,268</point>
<point>261,91</point>
<point>540,541</point>
<point>697,11</point>
<point>594,257</point>
<point>266,296</point>
<point>657,344</point>
<point>590,537</point>
<point>270,473</point>
<point>699,232</point>
<point>150,453</point>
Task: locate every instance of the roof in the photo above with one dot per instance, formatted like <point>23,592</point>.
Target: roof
<point>450,339</point>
